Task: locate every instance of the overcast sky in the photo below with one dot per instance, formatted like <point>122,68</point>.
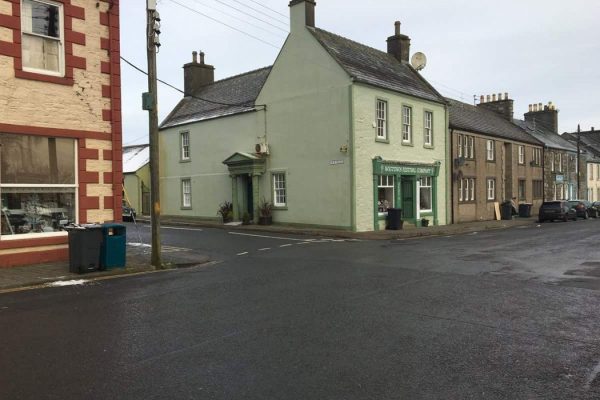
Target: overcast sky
<point>536,50</point>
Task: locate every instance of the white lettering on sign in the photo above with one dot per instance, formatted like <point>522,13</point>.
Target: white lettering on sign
<point>336,162</point>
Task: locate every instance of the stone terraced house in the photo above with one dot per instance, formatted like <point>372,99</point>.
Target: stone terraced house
<point>60,123</point>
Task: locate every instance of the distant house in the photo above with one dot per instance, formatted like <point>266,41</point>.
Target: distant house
<point>136,177</point>
<point>492,159</point>
<point>560,155</point>
<point>589,144</point>
<point>60,123</point>
<point>333,134</point>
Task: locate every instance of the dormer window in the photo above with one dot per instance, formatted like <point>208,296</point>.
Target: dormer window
<point>42,37</point>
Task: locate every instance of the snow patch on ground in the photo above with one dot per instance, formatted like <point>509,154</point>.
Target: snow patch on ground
<point>139,245</point>
<point>73,282</point>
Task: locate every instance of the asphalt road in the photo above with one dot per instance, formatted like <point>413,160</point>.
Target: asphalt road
<point>511,314</point>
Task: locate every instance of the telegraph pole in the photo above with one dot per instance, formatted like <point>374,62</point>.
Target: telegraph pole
<point>578,165</point>
<point>152,32</point>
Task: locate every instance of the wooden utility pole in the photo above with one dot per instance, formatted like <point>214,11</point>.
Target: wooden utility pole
<point>578,165</point>
<point>152,32</point>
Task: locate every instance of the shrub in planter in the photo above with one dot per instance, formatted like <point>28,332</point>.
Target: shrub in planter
<point>246,219</point>
<point>226,211</point>
<point>424,222</point>
<point>265,213</point>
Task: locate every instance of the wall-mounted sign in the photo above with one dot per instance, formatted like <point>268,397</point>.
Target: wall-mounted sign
<point>336,162</point>
<point>560,178</point>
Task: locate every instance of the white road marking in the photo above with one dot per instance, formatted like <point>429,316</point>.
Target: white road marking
<point>264,249</point>
<point>242,254</point>
<point>270,237</point>
<point>175,228</point>
<point>286,245</point>
<point>300,244</point>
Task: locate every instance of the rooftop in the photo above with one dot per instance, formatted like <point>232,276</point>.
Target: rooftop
<point>546,136</point>
<point>135,157</point>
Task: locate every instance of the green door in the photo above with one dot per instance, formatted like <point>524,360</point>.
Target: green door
<point>408,198</point>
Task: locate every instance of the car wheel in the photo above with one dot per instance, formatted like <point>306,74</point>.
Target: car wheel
<point>586,215</point>
<point>566,218</point>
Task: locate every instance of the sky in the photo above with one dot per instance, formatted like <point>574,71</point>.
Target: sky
<point>536,50</point>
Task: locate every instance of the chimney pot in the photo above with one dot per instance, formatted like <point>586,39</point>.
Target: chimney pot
<point>194,57</point>
<point>592,129</point>
<point>499,96</point>
<point>494,97</point>
<point>201,57</point>
<point>398,45</point>
<point>397,28</point>
<point>482,99</point>
<point>540,107</point>
<point>487,98</point>
<point>505,95</point>
<point>530,107</point>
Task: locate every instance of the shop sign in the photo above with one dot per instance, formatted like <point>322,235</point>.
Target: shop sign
<point>560,178</point>
<point>387,169</point>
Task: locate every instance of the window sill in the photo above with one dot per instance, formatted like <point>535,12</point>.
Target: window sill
<point>26,236</point>
<point>187,160</point>
<point>491,161</point>
<point>280,208</point>
<point>381,140</point>
<point>44,78</point>
<point>428,146</point>
<point>185,208</point>
<point>409,144</point>
<point>468,202</point>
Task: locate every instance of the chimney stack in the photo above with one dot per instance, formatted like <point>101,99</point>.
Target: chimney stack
<point>504,107</point>
<point>302,14</point>
<point>544,115</point>
<point>197,75</point>
<point>399,45</point>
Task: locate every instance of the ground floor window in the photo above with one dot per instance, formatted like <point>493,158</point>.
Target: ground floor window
<point>558,191</point>
<point>538,189</point>
<point>491,189</point>
<point>425,193</point>
<point>466,189</point>
<point>279,190</point>
<point>38,190</point>
<point>385,193</point>
<point>522,193</point>
<point>186,193</point>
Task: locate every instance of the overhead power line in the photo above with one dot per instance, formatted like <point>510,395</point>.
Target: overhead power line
<point>237,18</point>
<point>223,23</point>
<point>252,16</point>
<point>285,22</point>
<point>181,91</point>
<point>268,8</point>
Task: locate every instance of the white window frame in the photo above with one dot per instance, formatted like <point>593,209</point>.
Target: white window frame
<point>598,172</point>
<point>184,145</point>
<point>60,39</point>
<point>406,124</point>
<point>428,129</point>
<point>491,188</point>
<point>521,154</point>
<point>490,148</point>
<point>186,193</point>
<point>469,147</point>
<point>524,182</point>
<point>460,145</point>
<point>73,186</point>
<point>466,190</point>
<point>279,189</point>
<point>381,119</point>
<point>425,182</point>
<point>384,182</point>
<point>560,166</point>
<point>537,156</point>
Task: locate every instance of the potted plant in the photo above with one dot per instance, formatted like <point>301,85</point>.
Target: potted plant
<point>265,213</point>
<point>226,211</point>
<point>246,219</point>
<point>424,222</point>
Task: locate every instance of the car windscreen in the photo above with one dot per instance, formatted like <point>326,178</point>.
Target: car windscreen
<point>551,204</point>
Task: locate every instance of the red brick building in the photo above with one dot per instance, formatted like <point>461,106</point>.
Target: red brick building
<point>60,123</point>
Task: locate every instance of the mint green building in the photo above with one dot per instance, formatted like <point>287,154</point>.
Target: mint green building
<point>333,134</point>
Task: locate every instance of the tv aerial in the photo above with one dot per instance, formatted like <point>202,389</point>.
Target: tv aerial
<point>418,61</point>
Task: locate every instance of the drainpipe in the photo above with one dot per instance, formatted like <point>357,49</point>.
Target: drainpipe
<point>451,177</point>
<point>543,173</point>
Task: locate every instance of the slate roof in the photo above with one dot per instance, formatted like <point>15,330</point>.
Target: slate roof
<point>238,92</point>
<point>375,67</point>
<point>546,136</point>
<point>590,141</point>
<point>135,157</point>
<point>480,120</point>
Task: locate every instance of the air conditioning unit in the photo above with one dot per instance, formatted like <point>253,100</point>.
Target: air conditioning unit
<point>261,148</point>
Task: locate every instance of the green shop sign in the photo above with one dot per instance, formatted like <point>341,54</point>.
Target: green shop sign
<point>381,167</point>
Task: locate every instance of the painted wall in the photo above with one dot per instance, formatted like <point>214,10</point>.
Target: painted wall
<point>593,181</point>
<point>505,169</point>
<point>567,170</point>
<point>308,101</point>
<point>365,147</point>
<point>211,142</point>
<point>133,184</point>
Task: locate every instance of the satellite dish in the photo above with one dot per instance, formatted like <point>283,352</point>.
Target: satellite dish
<point>418,61</point>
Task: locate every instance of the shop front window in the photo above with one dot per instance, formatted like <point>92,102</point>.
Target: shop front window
<point>37,184</point>
<point>425,193</point>
<point>385,193</point>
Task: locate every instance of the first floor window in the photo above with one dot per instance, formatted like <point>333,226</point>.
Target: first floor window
<point>522,193</point>
<point>425,193</point>
<point>466,189</point>
<point>469,147</point>
<point>491,150</point>
<point>538,189</point>
<point>559,162</point>
<point>37,184</point>
<point>460,145</point>
<point>185,145</point>
<point>428,129</point>
<point>537,156</point>
<point>186,193</point>
<point>385,193</point>
<point>406,124</point>
<point>279,190</point>
<point>598,172</point>
<point>521,154</point>
<point>42,36</point>
<point>491,189</point>
<point>381,117</point>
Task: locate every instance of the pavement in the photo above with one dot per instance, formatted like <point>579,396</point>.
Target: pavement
<point>138,256</point>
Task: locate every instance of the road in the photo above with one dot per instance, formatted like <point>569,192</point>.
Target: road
<point>509,314</point>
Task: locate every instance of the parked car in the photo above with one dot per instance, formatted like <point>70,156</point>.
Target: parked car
<point>596,205</point>
<point>584,209</point>
<point>559,209</point>
<point>128,213</point>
